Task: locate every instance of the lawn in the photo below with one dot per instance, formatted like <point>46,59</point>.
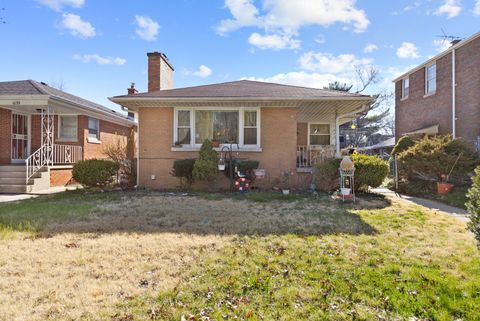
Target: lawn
<point>151,256</point>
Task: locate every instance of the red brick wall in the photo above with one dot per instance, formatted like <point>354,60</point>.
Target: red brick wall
<point>418,111</point>
<point>5,136</point>
<point>60,177</point>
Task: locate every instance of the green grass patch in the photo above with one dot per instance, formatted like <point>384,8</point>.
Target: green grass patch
<point>457,197</point>
<point>32,214</point>
<point>255,196</point>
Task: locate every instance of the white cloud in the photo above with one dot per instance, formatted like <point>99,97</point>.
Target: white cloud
<point>77,26</point>
<point>284,18</point>
<point>370,47</point>
<point>407,50</point>
<point>275,41</point>
<point>451,8</point>
<point>328,63</point>
<point>202,72</point>
<point>100,60</point>
<point>147,28</point>
<point>476,10</point>
<point>409,7</point>
<point>441,44</point>
<point>57,5</point>
<point>302,78</point>
<point>321,39</point>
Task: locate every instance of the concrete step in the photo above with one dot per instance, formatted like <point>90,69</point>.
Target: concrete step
<point>14,180</point>
<point>14,189</point>
<point>13,168</point>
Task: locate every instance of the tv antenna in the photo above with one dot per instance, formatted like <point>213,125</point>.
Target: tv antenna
<point>449,38</point>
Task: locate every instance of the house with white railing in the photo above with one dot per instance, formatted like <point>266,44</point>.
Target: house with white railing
<point>44,131</point>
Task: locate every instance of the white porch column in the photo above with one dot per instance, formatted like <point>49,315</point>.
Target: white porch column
<point>337,137</point>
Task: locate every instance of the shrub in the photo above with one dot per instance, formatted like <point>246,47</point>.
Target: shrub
<point>431,158</point>
<point>206,166</point>
<point>370,171</point>
<point>473,206</point>
<point>183,170</point>
<point>402,145</point>
<point>94,172</point>
<point>120,152</point>
<point>327,175</point>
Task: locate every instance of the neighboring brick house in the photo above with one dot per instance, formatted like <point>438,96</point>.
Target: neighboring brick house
<point>441,97</point>
<point>44,131</point>
<point>286,128</point>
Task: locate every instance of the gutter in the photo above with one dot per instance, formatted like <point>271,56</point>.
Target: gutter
<point>119,100</point>
<point>337,127</point>
<point>454,85</point>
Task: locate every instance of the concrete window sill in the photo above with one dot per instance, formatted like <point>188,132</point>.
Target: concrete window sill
<point>218,149</point>
<point>93,140</point>
<point>430,94</point>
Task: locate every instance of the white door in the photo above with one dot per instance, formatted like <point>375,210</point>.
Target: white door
<point>20,137</point>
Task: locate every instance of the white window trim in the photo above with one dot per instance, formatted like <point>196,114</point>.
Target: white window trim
<point>403,87</point>
<point>426,79</point>
<point>93,140</point>
<point>319,123</point>
<point>62,139</point>
<point>240,110</point>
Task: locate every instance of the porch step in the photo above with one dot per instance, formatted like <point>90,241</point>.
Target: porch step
<point>12,180</point>
<point>13,168</point>
<point>13,189</point>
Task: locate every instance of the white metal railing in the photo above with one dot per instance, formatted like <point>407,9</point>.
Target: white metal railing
<point>36,161</point>
<point>66,154</point>
<point>61,154</point>
<point>307,156</point>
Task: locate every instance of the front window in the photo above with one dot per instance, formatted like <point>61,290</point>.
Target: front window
<point>93,128</point>
<point>67,128</point>
<point>405,87</point>
<point>220,126</point>
<point>431,79</point>
<point>319,134</point>
<point>237,126</point>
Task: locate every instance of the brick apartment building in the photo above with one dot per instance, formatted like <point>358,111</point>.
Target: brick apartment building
<point>442,95</point>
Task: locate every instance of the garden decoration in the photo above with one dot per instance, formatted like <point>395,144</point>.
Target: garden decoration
<point>443,186</point>
<point>227,151</point>
<point>286,182</point>
<point>347,180</point>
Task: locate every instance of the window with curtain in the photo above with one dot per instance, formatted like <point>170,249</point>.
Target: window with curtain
<point>216,125</point>
<point>183,127</point>
<point>93,128</point>
<point>250,127</point>
<point>431,79</point>
<point>319,134</point>
<point>67,127</point>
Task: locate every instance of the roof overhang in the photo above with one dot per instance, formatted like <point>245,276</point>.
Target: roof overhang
<point>430,130</point>
<point>440,55</point>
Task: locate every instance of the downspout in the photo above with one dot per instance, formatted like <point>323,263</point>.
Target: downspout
<point>337,127</point>
<point>454,130</point>
<point>137,147</point>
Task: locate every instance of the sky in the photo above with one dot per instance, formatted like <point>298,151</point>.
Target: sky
<point>96,48</point>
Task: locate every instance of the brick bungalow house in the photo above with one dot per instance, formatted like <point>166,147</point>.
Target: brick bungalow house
<point>44,131</point>
<point>285,128</point>
<point>442,95</point>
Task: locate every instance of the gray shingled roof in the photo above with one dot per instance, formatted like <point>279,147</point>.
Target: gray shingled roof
<point>246,89</point>
<point>32,87</point>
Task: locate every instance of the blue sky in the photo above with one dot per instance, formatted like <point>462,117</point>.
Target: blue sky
<point>96,48</point>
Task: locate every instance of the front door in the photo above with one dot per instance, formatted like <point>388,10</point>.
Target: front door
<point>20,137</point>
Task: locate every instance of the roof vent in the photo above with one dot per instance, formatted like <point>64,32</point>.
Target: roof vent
<point>44,83</point>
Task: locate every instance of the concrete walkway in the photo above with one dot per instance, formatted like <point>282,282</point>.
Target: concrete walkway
<point>52,190</point>
<point>459,213</point>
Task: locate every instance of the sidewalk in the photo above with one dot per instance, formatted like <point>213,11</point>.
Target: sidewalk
<point>4,198</point>
<point>459,213</point>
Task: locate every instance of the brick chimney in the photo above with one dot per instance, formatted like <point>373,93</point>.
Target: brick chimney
<point>132,90</point>
<point>160,72</point>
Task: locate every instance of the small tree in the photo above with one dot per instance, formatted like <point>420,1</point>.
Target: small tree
<point>206,166</point>
<point>473,206</point>
<point>183,170</point>
<point>94,172</point>
<point>402,145</point>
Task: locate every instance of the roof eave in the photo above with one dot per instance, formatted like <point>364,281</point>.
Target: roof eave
<point>438,56</point>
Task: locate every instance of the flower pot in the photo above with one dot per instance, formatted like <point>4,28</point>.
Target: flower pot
<point>285,192</point>
<point>345,191</point>
<point>215,143</point>
<point>444,188</point>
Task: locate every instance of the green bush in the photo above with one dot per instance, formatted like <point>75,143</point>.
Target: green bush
<point>327,175</point>
<point>473,206</point>
<point>183,170</point>
<point>94,172</point>
<point>430,158</point>
<point>370,171</point>
<point>206,166</point>
<point>404,143</point>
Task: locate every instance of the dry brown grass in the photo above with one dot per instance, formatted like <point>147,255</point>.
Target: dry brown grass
<point>138,246</point>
